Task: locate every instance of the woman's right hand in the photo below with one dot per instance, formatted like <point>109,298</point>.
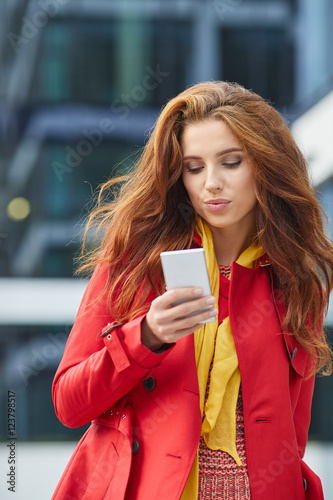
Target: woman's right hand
<point>164,323</point>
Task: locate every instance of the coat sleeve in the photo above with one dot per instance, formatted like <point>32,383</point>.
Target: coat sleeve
<point>96,372</point>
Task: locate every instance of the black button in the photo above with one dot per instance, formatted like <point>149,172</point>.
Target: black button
<point>305,484</point>
<point>135,448</point>
<point>149,383</point>
<point>294,353</point>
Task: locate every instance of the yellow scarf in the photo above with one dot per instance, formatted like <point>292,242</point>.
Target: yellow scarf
<point>219,425</point>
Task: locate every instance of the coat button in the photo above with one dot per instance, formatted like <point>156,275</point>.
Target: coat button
<point>135,447</point>
<point>294,353</point>
<point>305,484</point>
<point>149,383</point>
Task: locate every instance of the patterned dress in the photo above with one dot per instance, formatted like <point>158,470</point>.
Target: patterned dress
<point>220,478</point>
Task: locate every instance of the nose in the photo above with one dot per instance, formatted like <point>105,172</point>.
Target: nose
<point>214,180</point>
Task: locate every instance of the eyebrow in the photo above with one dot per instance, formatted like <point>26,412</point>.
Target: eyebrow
<point>221,153</point>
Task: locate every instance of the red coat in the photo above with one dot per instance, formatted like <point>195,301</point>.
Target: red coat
<point>144,406</point>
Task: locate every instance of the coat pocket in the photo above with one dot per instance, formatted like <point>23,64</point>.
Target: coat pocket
<point>92,469</point>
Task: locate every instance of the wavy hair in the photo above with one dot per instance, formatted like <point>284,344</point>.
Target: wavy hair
<point>149,212</point>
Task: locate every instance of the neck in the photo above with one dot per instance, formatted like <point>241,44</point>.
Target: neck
<point>229,244</point>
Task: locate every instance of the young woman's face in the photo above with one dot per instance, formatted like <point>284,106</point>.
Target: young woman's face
<point>217,176</point>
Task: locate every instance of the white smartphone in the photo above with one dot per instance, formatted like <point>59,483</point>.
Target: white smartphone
<point>183,268</point>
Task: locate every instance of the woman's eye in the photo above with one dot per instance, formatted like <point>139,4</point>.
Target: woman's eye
<point>194,169</point>
<point>232,164</point>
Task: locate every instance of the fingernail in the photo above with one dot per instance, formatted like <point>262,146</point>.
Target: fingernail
<point>198,291</point>
<point>211,300</point>
<point>213,312</point>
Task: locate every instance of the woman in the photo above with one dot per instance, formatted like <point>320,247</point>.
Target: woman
<point>180,408</point>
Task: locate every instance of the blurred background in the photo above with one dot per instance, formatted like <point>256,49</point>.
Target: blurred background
<point>81,84</point>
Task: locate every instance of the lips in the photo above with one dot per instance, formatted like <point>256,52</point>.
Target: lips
<point>216,204</point>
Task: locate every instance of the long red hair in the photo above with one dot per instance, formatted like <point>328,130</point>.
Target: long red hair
<point>149,211</point>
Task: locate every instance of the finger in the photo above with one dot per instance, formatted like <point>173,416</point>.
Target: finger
<point>189,308</point>
<point>195,321</point>
<point>175,294</point>
<point>186,326</point>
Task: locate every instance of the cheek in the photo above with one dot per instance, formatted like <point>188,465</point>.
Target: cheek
<point>247,187</point>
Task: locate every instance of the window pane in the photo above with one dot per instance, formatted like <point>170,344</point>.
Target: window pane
<point>96,62</point>
<point>261,60</point>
